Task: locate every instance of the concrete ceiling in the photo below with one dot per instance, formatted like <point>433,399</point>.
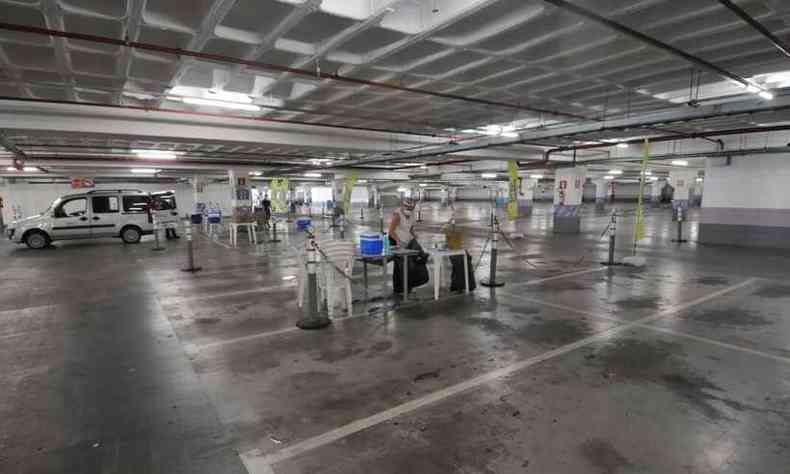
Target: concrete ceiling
<point>466,64</point>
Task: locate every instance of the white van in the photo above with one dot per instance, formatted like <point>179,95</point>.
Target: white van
<point>124,213</point>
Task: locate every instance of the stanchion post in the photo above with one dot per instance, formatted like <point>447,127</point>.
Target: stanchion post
<point>190,249</point>
<point>312,318</point>
<point>612,236</point>
<point>491,281</point>
<point>158,246</point>
<point>381,219</point>
<point>343,226</point>
<point>679,218</point>
<point>274,231</point>
<point>362,214</point>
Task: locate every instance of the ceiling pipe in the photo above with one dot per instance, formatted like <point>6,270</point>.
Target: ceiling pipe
<point>775,40</point>
<point>274,67</point>
<point>715,133</point>
<point>622,29</point>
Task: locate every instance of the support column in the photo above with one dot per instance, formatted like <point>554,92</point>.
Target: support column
<point>655,192</point>
<point>240,197</point>
<point>746,202</point>
<point>601,193</point>
<point>568,192</point>
<point>526,198</point>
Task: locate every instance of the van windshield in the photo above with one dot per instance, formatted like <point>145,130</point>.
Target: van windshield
<point>52,206</point>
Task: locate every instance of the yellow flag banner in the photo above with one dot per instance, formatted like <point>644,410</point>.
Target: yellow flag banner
<point>512,204</point>
<point>279,195</point>
<point>348,188</point>
<point>639,233</point>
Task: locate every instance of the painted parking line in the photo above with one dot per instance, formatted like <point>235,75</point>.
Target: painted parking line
<point>195,348</point>
<point>262,289</point>
<point>672,332</point>
<point>258,462</point>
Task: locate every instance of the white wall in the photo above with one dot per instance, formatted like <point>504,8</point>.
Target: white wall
<point>753,182</point>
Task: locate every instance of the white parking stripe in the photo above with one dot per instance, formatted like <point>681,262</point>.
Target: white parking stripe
<point>258,462</point>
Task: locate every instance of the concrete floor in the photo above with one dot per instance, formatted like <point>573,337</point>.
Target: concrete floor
<point>114,361</point>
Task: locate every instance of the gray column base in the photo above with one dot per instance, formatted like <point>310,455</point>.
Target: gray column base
<point>745,236</point>
<point>567,225</point>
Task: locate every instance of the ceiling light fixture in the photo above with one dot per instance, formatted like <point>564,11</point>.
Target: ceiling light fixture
<point>312,175</point>
<point>256,173</point>
<point>622,145</point>
<point>536,176</point>
<point>680,162</point>
<point>608,178</point>
<point>157,154</point>
<point>488,175</point>
<point>145,170</point>
<point>618,172</point>
<point>216,103</point>
<point>766,95</point>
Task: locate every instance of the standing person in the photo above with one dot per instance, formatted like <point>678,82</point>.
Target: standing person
<point>402,223</point>
<point>267,210</point>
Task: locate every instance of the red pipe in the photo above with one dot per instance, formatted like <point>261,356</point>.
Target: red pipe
<point>269,67</point>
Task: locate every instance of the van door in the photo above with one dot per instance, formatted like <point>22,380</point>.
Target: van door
<point>71,219</point>
<point>105,216</point>
<point>136,212</point>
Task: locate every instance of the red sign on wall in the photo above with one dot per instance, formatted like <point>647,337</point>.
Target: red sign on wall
<point>78,183</point>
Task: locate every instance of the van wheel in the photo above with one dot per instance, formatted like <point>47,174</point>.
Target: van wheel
<point>37,240</point>
<point>131,234</point>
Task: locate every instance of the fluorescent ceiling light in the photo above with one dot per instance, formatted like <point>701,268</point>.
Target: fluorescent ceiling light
<point>766,95</point>
<point>229,96</point>
<point>536,176</point>
<point>615,171</point>
<point>422,185</point>
<point>289,277</point>
<point>144,170</point>
<point>648,173</point>
<point>680,162</point>
<point>622,145</point>
<point>699,180</point>
<point>362,181</point>
<point>26,169</point>
<point>608,178</point>
<point>157,154</point>
<point>403,190</point>
<point>488,175</point>
<point>220,104</point>
<point>312,175</point>
<point>752,88</point>
<point>423,167</point>
<point>653,178</point>
<point>256,173</point>
<point>510,135</point>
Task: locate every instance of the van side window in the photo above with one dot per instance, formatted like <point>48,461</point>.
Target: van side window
<point>135,204</point>
<point>165,203</point>
<point>105,204</point>
<point>72,208</point>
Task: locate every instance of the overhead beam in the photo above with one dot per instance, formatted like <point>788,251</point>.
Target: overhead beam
<point>775,40</point>
<point>275,67</point>
<point>649,40</point>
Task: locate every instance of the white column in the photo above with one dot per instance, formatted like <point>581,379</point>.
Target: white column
<point>568,193</point>
<point>526,198</point>
<point>747,202</point>
<point>655,191</point>
<point>602,191</point>
<point>240,196</point>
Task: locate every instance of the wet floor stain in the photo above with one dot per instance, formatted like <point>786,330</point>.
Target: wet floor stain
<point>337,354</point>
<point>489,325</point>
<point>640,302</point>
<point>773,291</point>
<point>564,285</point>
<point>207,320</point>
<point>555,332</point>
<point>730,317</point>
<point>663,363</point>
<point>712,281</point>
<point>381,346</point>
<point>606,459</point>
<point>434,374</point>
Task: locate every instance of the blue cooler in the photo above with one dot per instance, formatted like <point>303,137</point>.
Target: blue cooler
<point>371,244</point>
<point>303,223</point>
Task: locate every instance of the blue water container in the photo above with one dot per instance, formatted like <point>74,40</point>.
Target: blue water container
<point>371,244</point>
<point>303,223</point>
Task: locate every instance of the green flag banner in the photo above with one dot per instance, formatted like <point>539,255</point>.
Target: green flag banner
<point>348,188</point>
<point>279,192</point>
<point>512,204</point>
<point>639,233</point>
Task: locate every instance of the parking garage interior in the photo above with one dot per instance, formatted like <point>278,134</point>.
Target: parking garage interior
<point>387,236</point>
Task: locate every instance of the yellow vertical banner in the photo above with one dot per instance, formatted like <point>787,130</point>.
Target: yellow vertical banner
<point>279,195</point>
<point>639,232</point>
<point>348,188</point>
<point>512,204</point>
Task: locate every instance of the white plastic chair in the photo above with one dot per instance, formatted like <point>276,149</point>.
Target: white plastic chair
<point>338,256</point>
